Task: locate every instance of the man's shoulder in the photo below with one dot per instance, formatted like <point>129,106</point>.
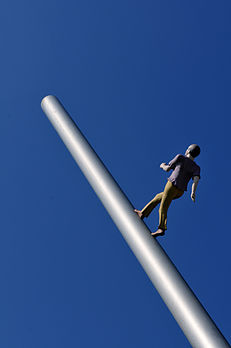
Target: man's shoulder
<point>196,169</point>
<point>175,160</point>
<point>179,156</point>
<point>196,165</point>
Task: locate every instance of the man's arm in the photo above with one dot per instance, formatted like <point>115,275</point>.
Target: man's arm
<point>172,164</point>
<point>194,187</point>
<point>165,167</point>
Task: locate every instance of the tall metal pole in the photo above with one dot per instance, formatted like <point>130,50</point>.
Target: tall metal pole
<point>193,319</point>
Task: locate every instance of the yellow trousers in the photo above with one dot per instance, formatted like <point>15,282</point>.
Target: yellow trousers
<point>164,198</point>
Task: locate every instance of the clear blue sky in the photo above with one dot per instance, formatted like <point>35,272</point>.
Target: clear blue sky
<point>143,80</point>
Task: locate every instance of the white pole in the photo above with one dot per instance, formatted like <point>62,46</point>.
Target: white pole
<point>193,319</point>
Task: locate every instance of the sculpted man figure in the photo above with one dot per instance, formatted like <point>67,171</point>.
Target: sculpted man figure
<point>184,168</point>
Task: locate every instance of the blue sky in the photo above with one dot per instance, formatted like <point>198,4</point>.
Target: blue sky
<point>143,80</point>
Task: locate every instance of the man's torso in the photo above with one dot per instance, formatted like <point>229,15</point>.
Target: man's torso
<point>183,170</point>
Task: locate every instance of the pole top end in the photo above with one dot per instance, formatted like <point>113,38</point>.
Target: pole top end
<point>47,98</point>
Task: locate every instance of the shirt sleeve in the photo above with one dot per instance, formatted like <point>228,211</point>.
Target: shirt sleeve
<point>196,172</point>
<point>174,161</point>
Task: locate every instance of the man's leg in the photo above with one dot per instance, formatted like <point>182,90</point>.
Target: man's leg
<point>150,206</point>
<point>170,192</point>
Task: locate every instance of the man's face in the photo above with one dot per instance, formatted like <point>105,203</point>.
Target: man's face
<point>187,151</point>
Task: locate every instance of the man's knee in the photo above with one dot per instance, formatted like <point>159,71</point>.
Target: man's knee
<point>158,197</point>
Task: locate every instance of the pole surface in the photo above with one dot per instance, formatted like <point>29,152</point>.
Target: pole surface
<point>193,319</point>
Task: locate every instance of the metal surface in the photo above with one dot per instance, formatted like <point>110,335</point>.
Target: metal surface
<point>193,319</point>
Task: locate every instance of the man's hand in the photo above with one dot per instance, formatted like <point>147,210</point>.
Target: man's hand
<point>193,196</point>
<point>165,167</point>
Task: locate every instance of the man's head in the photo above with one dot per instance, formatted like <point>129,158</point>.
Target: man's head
<point>193,150</point>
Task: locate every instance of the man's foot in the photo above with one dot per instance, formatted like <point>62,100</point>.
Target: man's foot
<point>139,213</point>
<point>158,233</point>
